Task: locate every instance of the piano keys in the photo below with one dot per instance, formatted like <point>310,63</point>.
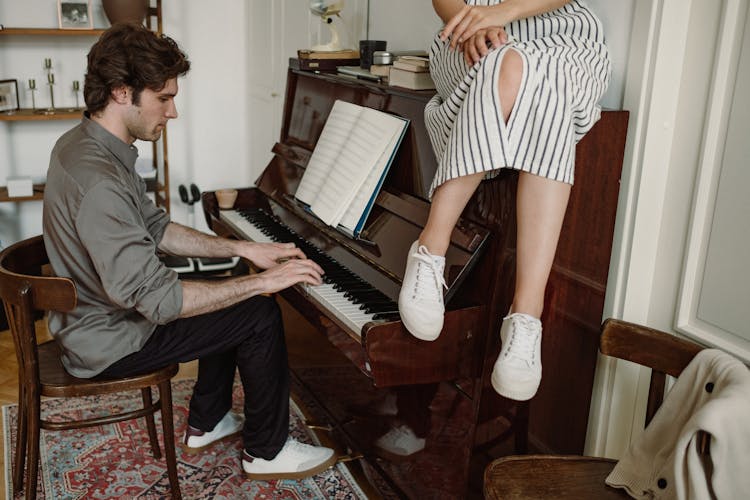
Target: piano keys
<point>442,384</point>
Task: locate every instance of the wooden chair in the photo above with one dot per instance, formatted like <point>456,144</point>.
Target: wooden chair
<point>25,293</point>
<point>577,477</point>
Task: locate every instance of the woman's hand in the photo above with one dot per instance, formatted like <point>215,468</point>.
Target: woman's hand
<point>471,19</point>
<point>478,45</point>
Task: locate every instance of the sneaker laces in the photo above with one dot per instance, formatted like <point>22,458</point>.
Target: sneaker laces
<point>295,447</point>
<point>399,434</point>
<point>522,340</point>
<point>430,281</point>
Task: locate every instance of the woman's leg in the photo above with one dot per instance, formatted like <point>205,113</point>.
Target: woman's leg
<point>540,208</point>
<point>420,301</point>
<point>448,201</point>
<point>450,198</point>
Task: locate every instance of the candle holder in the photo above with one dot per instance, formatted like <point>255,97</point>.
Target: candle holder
<point>32,88</point>
<point>51,82</point>
<point>76,89</point>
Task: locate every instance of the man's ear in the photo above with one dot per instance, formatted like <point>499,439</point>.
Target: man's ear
<point>121,94</point>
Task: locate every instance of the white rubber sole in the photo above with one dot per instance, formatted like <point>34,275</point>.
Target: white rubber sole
<point>516,391</point>
<point>270,476</point>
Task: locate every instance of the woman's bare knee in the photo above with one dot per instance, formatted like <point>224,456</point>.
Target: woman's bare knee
<point>511,71</point>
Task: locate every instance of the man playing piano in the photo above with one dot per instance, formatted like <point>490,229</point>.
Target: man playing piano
<point>134,314</point>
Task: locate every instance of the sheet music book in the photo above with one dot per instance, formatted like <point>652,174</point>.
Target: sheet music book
<point>349,164</point>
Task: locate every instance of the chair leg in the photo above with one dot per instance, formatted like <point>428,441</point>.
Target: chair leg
<point>33,416</point>
<point>165,396</point>
<point>19,462</point>
<point>147,401</point>
<point>521,424</point>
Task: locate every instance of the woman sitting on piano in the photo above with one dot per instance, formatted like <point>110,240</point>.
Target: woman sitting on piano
<point>518,83</point>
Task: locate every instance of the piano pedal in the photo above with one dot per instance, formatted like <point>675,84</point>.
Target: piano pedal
<point>318,426</point>
<point>350,457</point>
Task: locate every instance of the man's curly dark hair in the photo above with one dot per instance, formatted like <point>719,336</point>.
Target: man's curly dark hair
<point>131,55</point>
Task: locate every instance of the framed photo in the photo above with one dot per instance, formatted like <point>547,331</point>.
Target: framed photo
<point>8,95</point>
<point>74,15</point>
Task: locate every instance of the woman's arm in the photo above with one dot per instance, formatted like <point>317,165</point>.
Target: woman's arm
<point>446,9</point>
<point>471,19</point>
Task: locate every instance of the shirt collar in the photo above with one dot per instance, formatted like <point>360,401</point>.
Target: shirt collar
<point>126,153</point>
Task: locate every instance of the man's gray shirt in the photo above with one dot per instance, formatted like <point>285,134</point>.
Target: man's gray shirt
<point>102,230</point>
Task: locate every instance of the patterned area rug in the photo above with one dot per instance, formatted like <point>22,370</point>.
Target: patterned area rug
<point>115,461</point>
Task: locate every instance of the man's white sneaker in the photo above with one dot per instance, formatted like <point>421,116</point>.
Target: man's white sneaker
<point>518,369</point>
<point>399,443</point>
<point>420,301</point>
<point>197,440</point>
<point>295,461</point>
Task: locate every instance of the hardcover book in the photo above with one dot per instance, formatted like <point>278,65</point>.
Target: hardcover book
<point>346,170</point>
<point>328,54</point>
<point>410,79</point>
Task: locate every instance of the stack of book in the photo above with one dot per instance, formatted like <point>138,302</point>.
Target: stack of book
<point>411,72</point>
<point>325,60</point>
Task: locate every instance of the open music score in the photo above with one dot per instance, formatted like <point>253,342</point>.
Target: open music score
<point>349,164</point>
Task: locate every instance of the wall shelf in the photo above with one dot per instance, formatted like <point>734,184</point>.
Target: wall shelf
<point>38,194</point>
<point>48,31</point>
<point>27,114</point>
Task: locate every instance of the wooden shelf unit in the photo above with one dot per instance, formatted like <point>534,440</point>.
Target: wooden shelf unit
<point>160,185</point>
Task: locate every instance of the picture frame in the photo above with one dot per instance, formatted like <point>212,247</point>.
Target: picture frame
<point>9,96</point>
<point>74,15</point>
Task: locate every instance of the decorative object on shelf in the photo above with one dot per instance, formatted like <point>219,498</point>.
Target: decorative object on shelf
<point>51,82</point>
<point>125,11</point>
<point>9,96</point>
<point>76,89</point>
<point>74,15</point>
<point>367,49</point>
<point>32,88</point>
<point>327,9</point>
<point>19,187</point>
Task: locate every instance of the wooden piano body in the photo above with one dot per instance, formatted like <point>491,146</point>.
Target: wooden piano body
<point>445,383</point>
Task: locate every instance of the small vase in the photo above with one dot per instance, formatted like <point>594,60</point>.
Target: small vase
<point>125,11</point>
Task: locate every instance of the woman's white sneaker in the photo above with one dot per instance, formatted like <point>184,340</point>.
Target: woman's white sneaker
<point>295,461</point>
<point>518,369</point>
<point>420,302</point>
<point>399,443</point>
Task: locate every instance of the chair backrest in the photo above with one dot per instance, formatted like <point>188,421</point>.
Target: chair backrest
<point>665,354</point>
<point>24,291</point>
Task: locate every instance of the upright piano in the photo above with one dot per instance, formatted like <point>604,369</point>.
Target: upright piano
<point>443,386</point>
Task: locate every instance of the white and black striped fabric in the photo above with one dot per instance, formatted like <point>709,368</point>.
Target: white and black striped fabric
<point>566,71</point>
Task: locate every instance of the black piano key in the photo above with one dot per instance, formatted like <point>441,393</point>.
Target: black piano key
<point>382,310</point>
<point>386,316</point>
<point>375,303</point>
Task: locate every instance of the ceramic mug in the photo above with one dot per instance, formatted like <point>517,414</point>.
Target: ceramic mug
<point>226,198</point>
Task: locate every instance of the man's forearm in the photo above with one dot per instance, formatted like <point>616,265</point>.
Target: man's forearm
<point>185,241</point>
<point>201,297</point>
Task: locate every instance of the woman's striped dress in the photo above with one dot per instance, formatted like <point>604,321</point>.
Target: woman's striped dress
<point>566,71</point>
